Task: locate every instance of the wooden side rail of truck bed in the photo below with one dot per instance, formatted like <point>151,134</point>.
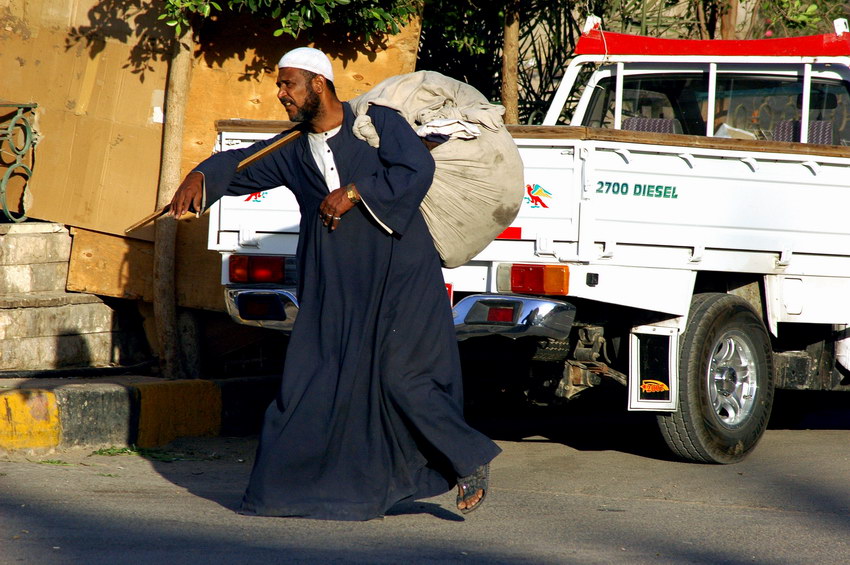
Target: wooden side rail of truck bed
<point>601,134</point>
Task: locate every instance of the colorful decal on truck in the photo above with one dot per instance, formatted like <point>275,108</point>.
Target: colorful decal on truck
<point>648,386</point>
<point>256,196</point>
<point>536,194</point>
<point>636,189</point>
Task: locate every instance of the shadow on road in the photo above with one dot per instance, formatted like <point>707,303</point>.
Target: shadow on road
<point>186,463</point>
<point>811,410</point>
<point>597,420</point>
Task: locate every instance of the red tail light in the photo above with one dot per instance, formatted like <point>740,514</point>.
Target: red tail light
<point>540,279</point>
<point>500,314</point>
<point>262,269</point>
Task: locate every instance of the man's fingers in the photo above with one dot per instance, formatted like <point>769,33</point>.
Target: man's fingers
<point>182,200</point>
<point>177,206</point>
<point>333,207</point>
<point>189,194</point>
<point>329,217</point>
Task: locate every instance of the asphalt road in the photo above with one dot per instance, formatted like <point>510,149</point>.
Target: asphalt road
<point>592,485</point>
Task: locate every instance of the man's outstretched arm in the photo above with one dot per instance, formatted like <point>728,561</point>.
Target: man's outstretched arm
<point>218,176</point>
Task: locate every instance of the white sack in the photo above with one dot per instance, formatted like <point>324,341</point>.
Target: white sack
<point>478,183</point>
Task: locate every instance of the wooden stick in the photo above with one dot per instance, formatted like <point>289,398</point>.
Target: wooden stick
<point>291,136</point>
<point>247,161</point>
<point>148,218</point>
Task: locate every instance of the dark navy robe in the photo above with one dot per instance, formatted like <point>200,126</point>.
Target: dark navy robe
<point>370,407</point>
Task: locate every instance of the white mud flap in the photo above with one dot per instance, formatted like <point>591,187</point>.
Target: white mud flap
<point>654,368</point>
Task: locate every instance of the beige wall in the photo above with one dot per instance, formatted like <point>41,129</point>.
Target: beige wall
<point>99,140</point>
<point>244,86</point>
<point>99,114</point>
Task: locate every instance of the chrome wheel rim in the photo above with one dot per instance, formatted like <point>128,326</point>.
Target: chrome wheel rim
<point>733,379</point>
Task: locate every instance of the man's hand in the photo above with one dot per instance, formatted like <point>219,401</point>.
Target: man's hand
<point>334,206</point>
<point>189,194</point>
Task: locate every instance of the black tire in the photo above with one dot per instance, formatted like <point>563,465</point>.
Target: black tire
<point>725,382</point>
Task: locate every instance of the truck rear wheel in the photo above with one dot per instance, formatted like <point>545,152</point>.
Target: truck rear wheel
<point>725,382</point>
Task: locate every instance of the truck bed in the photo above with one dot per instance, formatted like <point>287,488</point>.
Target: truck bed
<point>658,205</point>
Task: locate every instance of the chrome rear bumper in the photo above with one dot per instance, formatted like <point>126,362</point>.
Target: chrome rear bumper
<point>531,316</point>
<point>273,308</point>
<point>277,308</point>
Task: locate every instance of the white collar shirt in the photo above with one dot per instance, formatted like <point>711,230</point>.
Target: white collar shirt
<point>324,157</point>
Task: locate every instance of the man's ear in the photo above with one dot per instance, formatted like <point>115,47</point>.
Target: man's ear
<point>319,84</point>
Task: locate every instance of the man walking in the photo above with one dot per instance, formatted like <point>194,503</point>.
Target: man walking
<point>370,407</point>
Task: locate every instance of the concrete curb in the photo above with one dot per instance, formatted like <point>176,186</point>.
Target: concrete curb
<point>39,415</point>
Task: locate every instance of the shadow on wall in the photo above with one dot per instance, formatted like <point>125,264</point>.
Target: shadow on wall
<point>104,340</point>
<point>223,36</point>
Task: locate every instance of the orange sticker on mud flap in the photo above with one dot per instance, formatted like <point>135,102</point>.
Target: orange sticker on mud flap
<point>649,386</point>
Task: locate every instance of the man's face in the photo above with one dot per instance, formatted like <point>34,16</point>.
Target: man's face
<point>296,94</point>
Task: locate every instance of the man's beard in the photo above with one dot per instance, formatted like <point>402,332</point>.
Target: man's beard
<point>310,109</point>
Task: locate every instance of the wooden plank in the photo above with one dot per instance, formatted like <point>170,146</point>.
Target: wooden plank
<point>198,268</point>
<point>603,134</point>
<point>286,139</point>
<point>147,219</point>
<point>253,126</point>
<point>548,132</point>
<point>678,140</point>
<point>110,265</point>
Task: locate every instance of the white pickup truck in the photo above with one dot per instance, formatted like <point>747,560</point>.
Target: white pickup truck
<point>687,235</point>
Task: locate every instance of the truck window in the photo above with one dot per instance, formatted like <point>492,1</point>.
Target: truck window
<point>751,107</point>
<point>746,106</point>
<point>771,108</point>
<point>673,98</point>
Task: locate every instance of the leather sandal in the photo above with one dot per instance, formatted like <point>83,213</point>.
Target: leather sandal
<point>470,485</point>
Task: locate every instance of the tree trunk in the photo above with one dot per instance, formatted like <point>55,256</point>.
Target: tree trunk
<point>728,19</point>
<point>510,63</point>
<point>165,298</point>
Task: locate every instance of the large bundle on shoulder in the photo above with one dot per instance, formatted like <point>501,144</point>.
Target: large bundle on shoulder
<point>478,182</point>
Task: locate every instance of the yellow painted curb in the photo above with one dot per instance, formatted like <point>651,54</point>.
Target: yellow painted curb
<point>29,419</point>
<point>168,410</point>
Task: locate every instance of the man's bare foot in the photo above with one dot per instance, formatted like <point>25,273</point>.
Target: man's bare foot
<point>472,490</point>
<point>469,501</point>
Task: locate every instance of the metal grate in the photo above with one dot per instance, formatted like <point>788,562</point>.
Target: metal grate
<point>17,147</point>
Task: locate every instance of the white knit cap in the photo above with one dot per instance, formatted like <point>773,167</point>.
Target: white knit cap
<point>308,59</point>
